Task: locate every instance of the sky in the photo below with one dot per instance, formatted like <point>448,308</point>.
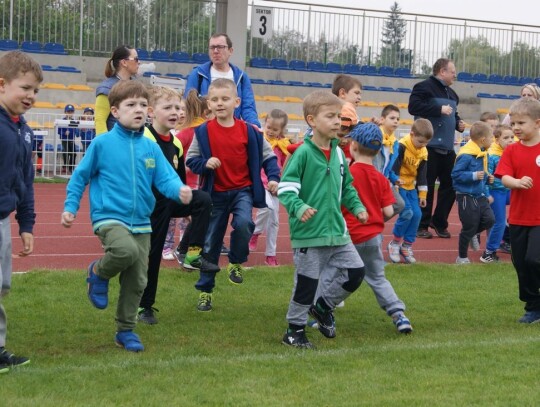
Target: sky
<point>510,11</point>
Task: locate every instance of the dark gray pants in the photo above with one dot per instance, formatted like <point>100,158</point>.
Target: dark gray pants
<point>475,215</point>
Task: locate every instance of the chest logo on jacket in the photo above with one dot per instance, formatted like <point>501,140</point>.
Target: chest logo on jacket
<point>27,137</point>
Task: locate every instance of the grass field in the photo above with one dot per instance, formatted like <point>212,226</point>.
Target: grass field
<point>466,349</point>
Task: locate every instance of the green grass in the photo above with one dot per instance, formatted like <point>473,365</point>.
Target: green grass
<point>466,349</point>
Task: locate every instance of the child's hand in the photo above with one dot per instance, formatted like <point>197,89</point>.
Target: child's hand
<point>28,244</point>
<point>272,187</point>
<point>399,182</point>
<point>308,214</point>
<point>67,219</point>
<point>490,199</point>
<point>422,202</point>
<point>362,217</point>
<point>480,175</point>
<point>491,178</point>
<point>213,163</point>
<point>524,183</point>
<point>185,195</point>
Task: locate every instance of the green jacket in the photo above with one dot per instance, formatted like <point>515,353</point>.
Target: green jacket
<point>310,181</point>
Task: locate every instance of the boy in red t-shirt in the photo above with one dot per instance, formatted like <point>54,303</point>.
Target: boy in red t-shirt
<point>376,194</point>
<point>228,154</point>
<point>519,170</point>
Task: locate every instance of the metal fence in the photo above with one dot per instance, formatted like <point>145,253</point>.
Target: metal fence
<point>300,31</point>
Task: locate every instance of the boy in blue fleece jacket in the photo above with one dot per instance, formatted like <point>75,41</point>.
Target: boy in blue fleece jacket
<point>121,167</point>
<point>20,77</point>
<point>470,176</point>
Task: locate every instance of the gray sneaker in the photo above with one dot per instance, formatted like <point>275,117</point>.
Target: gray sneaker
<point>463,260</point>
<point>146,315</point>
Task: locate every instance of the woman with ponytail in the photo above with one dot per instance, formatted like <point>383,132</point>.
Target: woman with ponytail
<point>123,65</point>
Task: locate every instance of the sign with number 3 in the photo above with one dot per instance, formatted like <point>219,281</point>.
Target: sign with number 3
<point>261,22</point>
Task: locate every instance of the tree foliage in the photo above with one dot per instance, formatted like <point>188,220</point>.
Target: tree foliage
<point>392,52</point>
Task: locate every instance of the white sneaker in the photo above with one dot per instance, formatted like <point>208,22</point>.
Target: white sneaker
<point>341,304</point>
<point>167,254</point>
<point>393,252</point>
<point>463,260</point>
<point>407,254</point>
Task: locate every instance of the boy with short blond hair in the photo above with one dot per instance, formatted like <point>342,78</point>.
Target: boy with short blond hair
<point>164,109</point>
<point>519,170</point>
<point>122,167</point>
<point>20,77</point>
<point>470,177</point>
<point>316,182</point>
<point>228,154</point>
<point>409,174</point>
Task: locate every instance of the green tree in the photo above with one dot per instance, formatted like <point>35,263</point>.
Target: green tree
<point>394,31</point>
<point>480,55</point>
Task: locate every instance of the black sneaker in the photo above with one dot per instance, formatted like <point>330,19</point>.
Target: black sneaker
<point>179,256</point>
<point>424,234</point>
<point>224,250</point>
<point>489,257</point>
<point>297,339</point>
<point>147,316</point>
<point>441,232</point>
<point>10,360</point>
<point>205,302</point>
<point>325,321</point>
<point>207,267</point>
<point>505,248</point>
<point>236,272</point>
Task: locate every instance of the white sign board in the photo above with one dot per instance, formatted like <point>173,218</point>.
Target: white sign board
<point>261,22</point>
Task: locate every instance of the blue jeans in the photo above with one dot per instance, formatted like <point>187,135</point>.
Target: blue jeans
<point>239,203</point>
<point>407,223</point>
<point>500,200</point>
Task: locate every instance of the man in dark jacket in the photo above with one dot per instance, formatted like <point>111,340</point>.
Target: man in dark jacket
<point>433,99</point>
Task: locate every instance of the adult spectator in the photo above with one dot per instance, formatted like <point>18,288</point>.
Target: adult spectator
<point>529,90</point>
<point>220,49</point>
<point>433,99</point>
<point>123,65</point>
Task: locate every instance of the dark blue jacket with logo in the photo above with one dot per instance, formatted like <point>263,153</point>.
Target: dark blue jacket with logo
<point>17,171</point>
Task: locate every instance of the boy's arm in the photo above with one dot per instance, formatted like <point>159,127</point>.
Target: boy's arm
<point>166,179</point>
<point>396,168</point>
<point>195,162</point>
<point>421,180</point>
<point>26,216</point>
<point>290,185</point>
<point>461,172</point>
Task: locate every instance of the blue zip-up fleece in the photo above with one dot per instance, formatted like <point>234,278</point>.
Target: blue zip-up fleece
<point>260,155</point>
<point>493,161</point>
<point>426,100</point>
<point>122,166</point>
<point>464,176</point>
<point>17,171</point>
<point>199,79</point>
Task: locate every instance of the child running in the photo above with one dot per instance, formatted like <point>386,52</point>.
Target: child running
<point>228,154</point>
<point>316,182</point>
<point>470,177</point>
<point>519,170</point>
<point>267,219</point>
<point>20,77</point>
<point>504,136</point>
<point>409,174</point>
<point>121,167</point>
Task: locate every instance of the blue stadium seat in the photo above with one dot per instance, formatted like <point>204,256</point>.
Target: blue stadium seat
<point>386,89</point>
<point>479,77</point>
<point>180,56</point>
<point>525,79</point>
<point>295,83</point>
<point>352,69</point>
<point>334,67</point>
<point>464,77</point>
<point>327,85</point>
<point>275,82</point>
<point>176,75</point>
<point>404,90</point>
<point>403,73</point>
<point>48,68</point>
<point>258,81</point>
<point>484,95</point>
<point>368,70</point>
<point>297,65</point>
<point>32,46</point>
<point>143,54</point>
<point>160,55</point>
<point>54,48</point>
<point>259,62</point>
<point>148,74</point>
<point>369,87</point>
<point>49,147</point>
<point>314,84</point>
<point>495,78</point>
<point>386,71</point>
<point>513,97</point>
<point>69,69</point>
<point>500,96</point>
<point>316,66</point>
<point>200,57</point>
<point>8,45</point>
<point>279,63</point>
<point>510,80</point>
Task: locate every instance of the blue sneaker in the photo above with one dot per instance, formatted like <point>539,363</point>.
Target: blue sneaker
<point>530,317</point>
<point>98,288</point>
<point>403,325</point>
<point>129,341</point>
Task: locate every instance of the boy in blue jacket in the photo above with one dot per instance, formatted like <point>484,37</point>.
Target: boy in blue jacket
<point>229,154</point>
<point>470,176</point>
<point>20,77</point>
<point>121,167</point>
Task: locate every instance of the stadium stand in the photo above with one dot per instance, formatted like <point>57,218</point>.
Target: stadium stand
<point>68,69</point>
<point>315,66</point>
<point>200,58</point>
<point>8,45</point>
<point>334,67</point>
<point>351,69</point>
<point>279,63</point>
<point>259,62</point>
<point>54,48</point>
<point>58,86</point>
<point>143,54</point>
<point>80,87</point>
<point>159,55</point>
<point>181,56</point>
<point>32,46</point>
<point>297,65</point>
<point>386,71</point>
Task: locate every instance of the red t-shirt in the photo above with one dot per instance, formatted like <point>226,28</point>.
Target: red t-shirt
<point>230,145</point>
<point>519,161</point>
<point>375,193</point>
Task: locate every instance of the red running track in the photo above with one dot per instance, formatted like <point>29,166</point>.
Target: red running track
<point>56,247</point>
